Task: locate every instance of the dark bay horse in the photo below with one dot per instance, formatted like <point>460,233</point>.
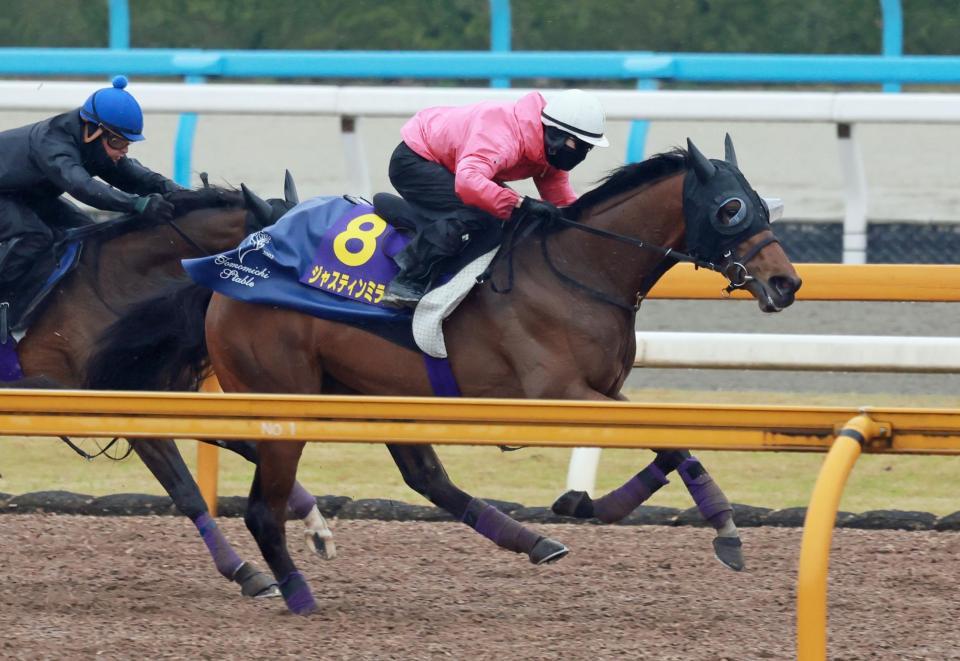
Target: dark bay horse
<point>126,265</point>
<point>564,330</point>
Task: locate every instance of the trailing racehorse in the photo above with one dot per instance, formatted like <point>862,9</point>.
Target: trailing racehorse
<point>563,328</point>
<point>121,263</point>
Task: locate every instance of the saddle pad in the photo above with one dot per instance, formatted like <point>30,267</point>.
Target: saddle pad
<point>319,259</point>
<point>440,302</point>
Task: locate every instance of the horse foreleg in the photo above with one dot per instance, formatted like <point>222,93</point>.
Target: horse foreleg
<point>709,499</point>
<point>266,517</point>
<point>617,504</point>
<point>715,508</point>
<point>303,505</point>
<point>614,506</point>
<point>163,459</point>
<point>423,472</point>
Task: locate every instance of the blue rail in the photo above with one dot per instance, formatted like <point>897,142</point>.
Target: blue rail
<point>616,65</point>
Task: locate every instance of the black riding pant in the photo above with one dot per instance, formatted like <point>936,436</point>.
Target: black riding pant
<point>34,221</point>
<point>449,223</point>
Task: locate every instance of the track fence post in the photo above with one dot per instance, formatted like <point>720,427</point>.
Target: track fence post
<point>818,532</point>
<point>855,196</point>
<point>208,458</point>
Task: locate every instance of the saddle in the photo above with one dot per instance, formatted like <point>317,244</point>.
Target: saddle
<point>21,300</point>
<point>298,263</point>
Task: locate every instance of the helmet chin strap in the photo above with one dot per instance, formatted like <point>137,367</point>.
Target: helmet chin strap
<point>87,137</point>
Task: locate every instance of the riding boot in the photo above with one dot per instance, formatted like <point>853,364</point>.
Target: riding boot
<point>409,285</point>
<point>419,263</point>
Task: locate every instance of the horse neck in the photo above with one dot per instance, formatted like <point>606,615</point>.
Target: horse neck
<point>652,213</point>
<point>128,264</point>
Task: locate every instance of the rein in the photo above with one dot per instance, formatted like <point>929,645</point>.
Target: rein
<point>103,451</point>
<point>186,237</point>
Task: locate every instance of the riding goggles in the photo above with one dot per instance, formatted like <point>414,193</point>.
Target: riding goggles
<point>114,140</point>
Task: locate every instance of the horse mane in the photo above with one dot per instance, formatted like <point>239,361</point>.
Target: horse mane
<point>184,202</point>
<point>631,176</point>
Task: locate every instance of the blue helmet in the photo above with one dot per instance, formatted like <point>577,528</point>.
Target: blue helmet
<point>116,109</point>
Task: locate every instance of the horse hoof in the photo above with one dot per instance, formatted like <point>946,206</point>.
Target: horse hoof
<point>729,551</point>
<point>574,503</point>
<point>254,583</point>
<point>322,545</point>
<point>546,551</point>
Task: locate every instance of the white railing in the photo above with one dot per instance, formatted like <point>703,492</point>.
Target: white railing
<point>840,353</point>
<point>823,107</point>
<point>844,109</point>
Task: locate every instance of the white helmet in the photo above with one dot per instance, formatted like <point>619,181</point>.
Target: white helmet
<point>579,113</point>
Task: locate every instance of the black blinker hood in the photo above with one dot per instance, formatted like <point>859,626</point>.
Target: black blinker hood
<point>707,239</point>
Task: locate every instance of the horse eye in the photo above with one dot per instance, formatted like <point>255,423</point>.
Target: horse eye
<point>729,212</point>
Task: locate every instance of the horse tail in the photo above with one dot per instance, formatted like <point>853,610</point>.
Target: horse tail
<point>157,345</point>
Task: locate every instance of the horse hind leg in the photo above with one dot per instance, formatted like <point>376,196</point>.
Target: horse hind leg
<point>266,515</point>
<point>423,472</point>
<point>164,461</point>
<point>317,534</point>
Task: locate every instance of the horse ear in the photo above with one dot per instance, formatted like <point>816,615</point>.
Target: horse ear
<point>729,155</point>
<point>701,164</point>
<point>259,207</point>
<point>290,189</point>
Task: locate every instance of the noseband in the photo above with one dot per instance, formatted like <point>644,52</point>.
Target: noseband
<point>734,268</point>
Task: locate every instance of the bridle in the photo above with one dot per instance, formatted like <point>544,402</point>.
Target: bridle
<point>732,267</point>
<point>741,277</point>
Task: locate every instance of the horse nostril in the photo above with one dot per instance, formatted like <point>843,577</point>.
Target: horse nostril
<point>784,285</point>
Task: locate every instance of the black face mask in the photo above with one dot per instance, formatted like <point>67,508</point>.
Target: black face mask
<point>710,231</point>
<point>559,155</point>
<point>95,158</point>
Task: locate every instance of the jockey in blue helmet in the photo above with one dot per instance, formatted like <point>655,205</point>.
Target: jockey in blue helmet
<point>82,152</point>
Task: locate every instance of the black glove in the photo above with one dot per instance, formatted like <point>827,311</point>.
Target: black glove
<point>154,207</point>
<point>537,210</point>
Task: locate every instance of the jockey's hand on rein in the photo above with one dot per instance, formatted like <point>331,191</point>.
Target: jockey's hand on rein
<point>154,207</point>
<point>537,210</point>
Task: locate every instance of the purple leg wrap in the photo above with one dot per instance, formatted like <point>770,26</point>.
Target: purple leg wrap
<point>300,502</point>
<point>296,593</point>
<point>498,527</point>
<point>226,559</point>
<point>623,500</point>
<point>713,505</point>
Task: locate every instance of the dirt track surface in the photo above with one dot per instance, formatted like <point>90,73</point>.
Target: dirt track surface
<point>143,587</point>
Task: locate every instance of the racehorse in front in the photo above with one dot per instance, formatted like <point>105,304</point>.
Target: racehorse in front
<point>559,326</point>
<point>104,270</point>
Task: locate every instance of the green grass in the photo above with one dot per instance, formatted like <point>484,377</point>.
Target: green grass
<point>534,476</point>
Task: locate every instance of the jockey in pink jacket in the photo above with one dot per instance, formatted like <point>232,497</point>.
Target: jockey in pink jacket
<point>454,162</point>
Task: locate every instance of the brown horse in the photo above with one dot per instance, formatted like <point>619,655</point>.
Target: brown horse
<point>125,263</point>
<point>564,330</point>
